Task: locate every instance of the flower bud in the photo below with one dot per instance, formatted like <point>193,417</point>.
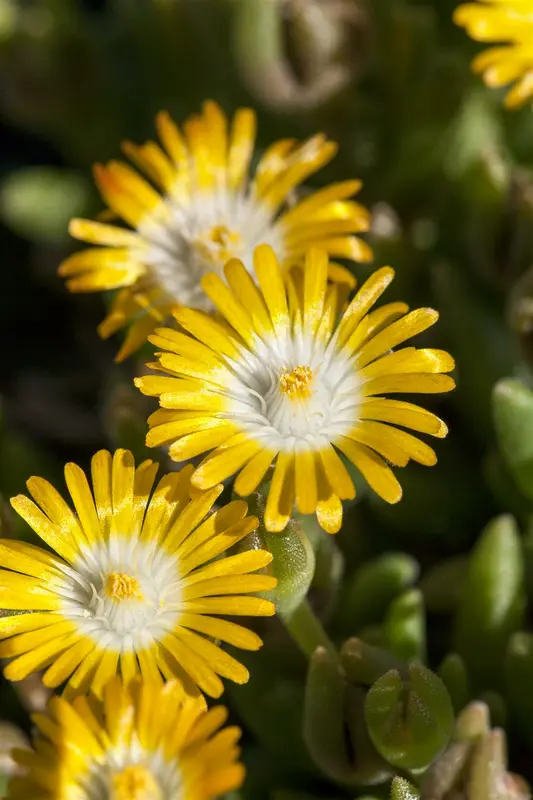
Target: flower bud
<point>403,790</point>
<point>293,562</point>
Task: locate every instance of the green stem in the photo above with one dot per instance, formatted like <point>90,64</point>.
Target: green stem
<point>307,630</point>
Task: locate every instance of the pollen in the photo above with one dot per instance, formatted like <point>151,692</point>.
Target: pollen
<point>219,244</point>
<point>123,587</point>
<point>296,383</point>
<point>135,783</point>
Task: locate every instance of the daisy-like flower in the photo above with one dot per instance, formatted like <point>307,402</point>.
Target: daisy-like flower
<point>510,24</point>
<point>199,206</point>
<point>137,582</point>
<point>141,742</point>
<point>281,381</point>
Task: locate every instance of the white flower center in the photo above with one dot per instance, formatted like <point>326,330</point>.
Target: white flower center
<point>135,782</point>
<point>131,773</point>
<point>201,236</point>
<point>294,395</point>
<point>124,594</point>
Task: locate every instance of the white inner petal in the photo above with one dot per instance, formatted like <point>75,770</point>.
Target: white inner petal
<point>127,623</point>
<point>201,236</point>
<point>147,776</point>
<point>328,409</point>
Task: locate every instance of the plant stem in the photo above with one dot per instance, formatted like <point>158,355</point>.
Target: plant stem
<point>306,629</point>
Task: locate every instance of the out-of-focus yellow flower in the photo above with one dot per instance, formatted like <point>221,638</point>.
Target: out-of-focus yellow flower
<point>284,381</point>
<point>142,742</point>
<point>137,583</point>
<point>510,24</point>
<point>200,205</point>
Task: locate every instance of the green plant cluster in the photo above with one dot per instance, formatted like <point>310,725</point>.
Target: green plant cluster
<point>422,683</point>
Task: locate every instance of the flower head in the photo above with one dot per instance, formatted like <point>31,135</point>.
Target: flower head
<point>280,381</point>
<point>141,742</point>
<point>133,587</point>
<point>510,24</point>
<point>198,207</point>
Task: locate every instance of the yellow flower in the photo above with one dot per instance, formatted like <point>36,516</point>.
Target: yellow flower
<point>199,207</point>
<point>142,742</point>
<point>281,381</point>
<point>130,587</point>
<point>509,23</point>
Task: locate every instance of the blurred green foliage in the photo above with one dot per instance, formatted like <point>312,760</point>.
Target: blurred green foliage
<point>428,603</point>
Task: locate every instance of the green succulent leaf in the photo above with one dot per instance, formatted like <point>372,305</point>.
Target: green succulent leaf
<point>293,562</point>
<point>513,418</point>
<point>453,674</point>
<point>364,663</point>
<point>38,202</point>
<point>334,715</point>
<point>443,584</point>
<point>518,677</point>
<point>410,722</point>
<point>492,606</point>
<point>323,722</point>
<point>405,627</point>
<point>372,589</point>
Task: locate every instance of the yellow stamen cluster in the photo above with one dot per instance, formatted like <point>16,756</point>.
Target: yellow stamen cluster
<point>219,244</point>
<point>135,783</point>
<point>295,384</point>
<point>123,587</point>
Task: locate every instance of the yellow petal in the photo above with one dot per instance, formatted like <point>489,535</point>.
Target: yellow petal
<point>375,471</point>
<point>281,495</point>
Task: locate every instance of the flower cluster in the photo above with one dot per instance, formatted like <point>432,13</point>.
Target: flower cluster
<point>273,375</point>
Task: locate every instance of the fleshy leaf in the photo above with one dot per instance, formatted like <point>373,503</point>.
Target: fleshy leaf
<point>492,606</point>
<point>513,418</point>
<point>410,722</point>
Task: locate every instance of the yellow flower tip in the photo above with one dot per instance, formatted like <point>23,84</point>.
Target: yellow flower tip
<point>128,147</point>
<point>75,227</point>
<point>162,115</point>
<point>264,251</point>
<point>461,16</point>
<point>120,586</point>
<point>395,497</point>
<point>253,523</point>
<point>199,480</point>
<point>17,500</point>
<point>13,672</point>
<point>99,173</point>
<point>386,274</point>
<point>512,102</point>
<point>121,356</point>
<point>296,384</point>
<point>267,610</point>
<point>140,384</point>
<point>135,783</point>
<point>152,438</point>
<point>275,524</point>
